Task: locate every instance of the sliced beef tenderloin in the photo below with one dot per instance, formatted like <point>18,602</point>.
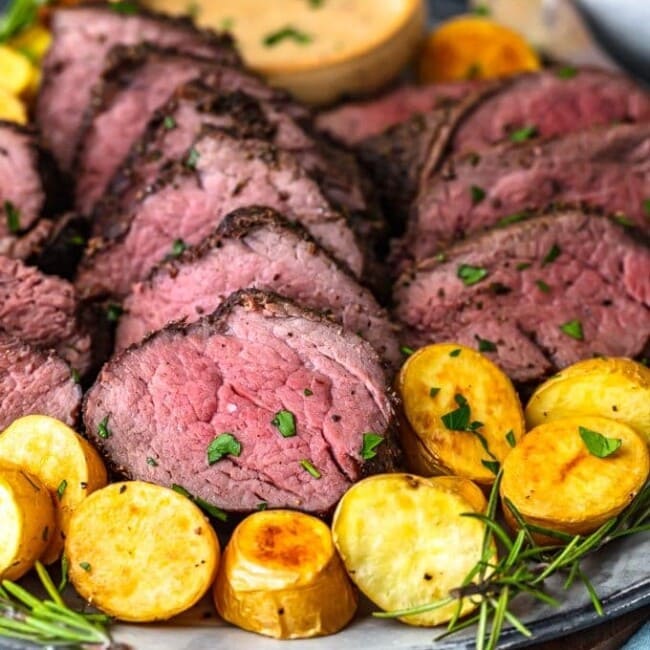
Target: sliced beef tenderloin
<point>255,247</point>
<point>220,173</point>
<point>81,40</point>
<point>297,392</point>
<point>43,311</point>
<point>536,296</point>
<point>606,168</point>
<point>355,121</point>
<point>30,189</point>
<point>34,381</point>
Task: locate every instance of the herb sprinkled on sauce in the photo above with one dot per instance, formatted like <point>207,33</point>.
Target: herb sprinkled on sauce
<point>287,33</point>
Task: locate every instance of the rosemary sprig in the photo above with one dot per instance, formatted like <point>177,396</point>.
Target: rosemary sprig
<point>524,566</point>
<point>49,621</point>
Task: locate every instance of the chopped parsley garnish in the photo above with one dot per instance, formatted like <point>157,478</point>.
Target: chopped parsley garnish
<point>485,345</point>
<point>123,7</point>
<point>510,438</point>
<point>263,505</point>
<point>482,10</point>
<point>370,443</point>
<point>458,419</point>
<point>598,444</point>
<point>567,72</point>
<point>192,158</point>
<point>471,274</point>
<point>492,465</point>
<point>542,286</point>
<point>213,511</point>
<point>573,328</point>
<point>473,71</point>
<point>102,429</point>
<point>308,392</point>
<point>406,350</point>
<point>169,122</point>
<point>65,567</point>
<point>523,134</point>
<point>433,391</point>
<point>646,207</point>
<point>286,33</point>
<point>477,193</point>
<point>552,255</point>
<point>623,220</point>
<point>309,468</point>
<point>178,248</point>
<point>85,566</point>
<point>193,10</point>
<point>455,353</point>
<point>152,462</point>
<point>316,4</point>
<point>227,24</point>
<point>225,444</point>
<point>13,217</point>
<point>512,218</point>
<point>285,423</point>
<point>522,266</point>
<point>60,491</point>
<point>439,257</point>
<point>74,373</point>
<point>77,240</point>
<point>113,312</point>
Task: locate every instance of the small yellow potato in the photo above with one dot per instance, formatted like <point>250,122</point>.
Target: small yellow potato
<point>437,381</point>
<point>555,481</point>
<point>26,522</point>
<point>65,462</point>
<point>472,47</point>
<point>405,543</point>
<point>281,576</point>
<point>17,70</point>
<point>614,388</point>
<point>141,552</point>
<point>11,108</point>
<point>33,42</point>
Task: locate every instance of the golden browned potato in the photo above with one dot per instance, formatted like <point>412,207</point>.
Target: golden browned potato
<point>615,388</point>
<point>405,543</point>
<point>461,414</point>
<point>281,576</point>
<point>472,47</point>
<point>17,71</point>
<point>573,475</point>
<point>141,552</point>
<point>11,108</point>
<point>67,465</point>
<point>27,521</point>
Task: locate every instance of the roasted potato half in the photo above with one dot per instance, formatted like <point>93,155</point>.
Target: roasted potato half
<point>461,414</point>
<point>555,478</point>
<point>281,576</point>
<point>11,108</point>
<point>67,465</point>
<point>405,543</point>
<point>141,552</point>
<point>614,388</point>
<point>27,517</point>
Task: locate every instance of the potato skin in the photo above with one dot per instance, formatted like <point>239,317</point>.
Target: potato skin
<point>281,576</point>
<point>141,552</point>
<point>614,388</point>
<point>54,453</point>
<point>405,543</point>
<point>429,446</point>
<point>555,482</point>
<point>27,516</point>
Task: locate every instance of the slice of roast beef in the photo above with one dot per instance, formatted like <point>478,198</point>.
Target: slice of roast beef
<point>43,311</point>
<point>606,168</point>
<point>536,296</point>
<point>220,173</point>
<point>34,381</point>
<point>355,121</point>
<point>255,247</point>
<point>176,125</point>
<point>81,40</point>
<point>297,391</point>
<point>30,189</point>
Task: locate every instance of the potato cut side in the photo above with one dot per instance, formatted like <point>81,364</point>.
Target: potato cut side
<point>17,71</point>
<point>141,552</point>
<point>471,47</point>
<point>614,388</point>
<point>405,543</point>
<point>555,481</point>
<point>26,522</point>
<point>446,388</point>
<point>11,108</point>
<point>281,576</point>
<point>66,463</point>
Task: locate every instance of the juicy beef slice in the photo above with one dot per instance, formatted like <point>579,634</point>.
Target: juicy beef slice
<point>537,295</point>
<point>82,38</point>
<point>34,381</point>
<point>43,311</point>
<point>166,399</point>
<point>355,121</point>
<point>219,174</point>
<point>605,168</point>
<point>255,247</point>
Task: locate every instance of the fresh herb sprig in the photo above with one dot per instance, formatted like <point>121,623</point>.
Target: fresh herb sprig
<point>523,567</point>
<point>49,621</point>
